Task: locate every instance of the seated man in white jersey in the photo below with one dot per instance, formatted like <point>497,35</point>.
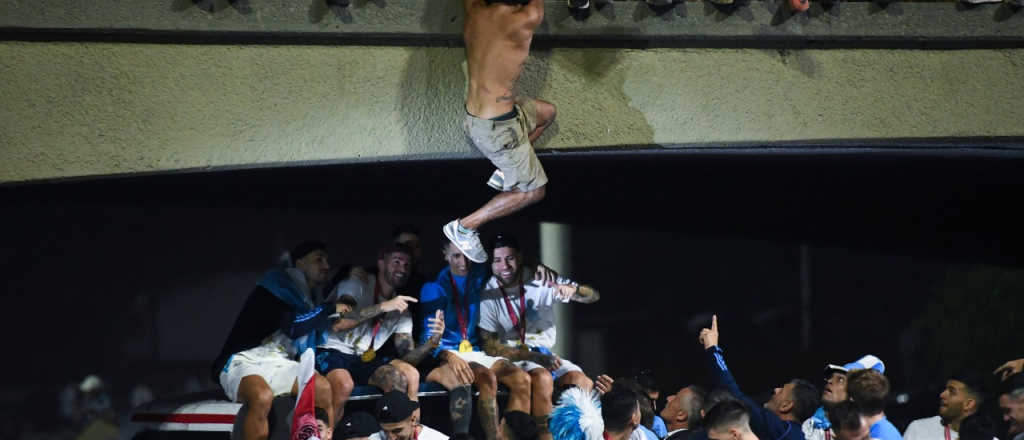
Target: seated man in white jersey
<point>963,396</point>
<point>373,344</point>
<point>279,320</point>
<point>461,361</point>
<point>517,322</point>
<point>396,415</point>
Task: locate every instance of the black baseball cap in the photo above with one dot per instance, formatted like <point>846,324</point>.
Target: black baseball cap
<point>356,425</point>
<point>394,407</point>
<point>306,248</point>
<point>502,240</point>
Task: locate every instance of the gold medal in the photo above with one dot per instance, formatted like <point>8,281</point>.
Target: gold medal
<point>368,355</point>
<point>524,347</point>
<point>465,346</point>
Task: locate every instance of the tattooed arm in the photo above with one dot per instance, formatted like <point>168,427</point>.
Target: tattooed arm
<point>585,294</point>
<point>581,293</point>
<point>350,320</point>
<point>494,347</point>
<point>407,349</point>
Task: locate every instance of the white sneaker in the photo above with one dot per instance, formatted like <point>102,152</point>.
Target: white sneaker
<point>469,244</point>
<point>497,180</point>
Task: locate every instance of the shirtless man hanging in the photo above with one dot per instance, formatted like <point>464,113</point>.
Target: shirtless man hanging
<point>498,36</point>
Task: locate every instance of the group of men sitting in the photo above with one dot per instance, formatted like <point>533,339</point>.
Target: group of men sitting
<point>851,406</point>
<point>478,325</point>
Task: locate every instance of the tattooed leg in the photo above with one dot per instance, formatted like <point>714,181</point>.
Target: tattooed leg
<point>487,407</point>
<point>542,427</point>
<point>460,407</point>
<point>388,378</point>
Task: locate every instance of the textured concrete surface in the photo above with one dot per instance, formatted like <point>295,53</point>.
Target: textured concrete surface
<point>100,109</point>
<point>440,21</point>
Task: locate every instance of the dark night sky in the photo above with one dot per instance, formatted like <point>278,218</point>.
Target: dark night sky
<point>667,238</point>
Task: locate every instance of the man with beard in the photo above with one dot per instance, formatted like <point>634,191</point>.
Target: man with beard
<point>460,361</point>
<point>406,234</point>
<point>782,416</point>
<point>1011,403</point>
<point>373,344</point>
<point>517,322</point>
<point>818,426</point>
<point>963,396</point>
<point>278,321</point>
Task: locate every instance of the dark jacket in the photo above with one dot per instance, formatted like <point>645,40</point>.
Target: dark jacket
<point>261,316</point>
<point>764,423</point>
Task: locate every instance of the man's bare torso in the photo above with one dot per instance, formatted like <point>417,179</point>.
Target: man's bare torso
<point>498,40</point>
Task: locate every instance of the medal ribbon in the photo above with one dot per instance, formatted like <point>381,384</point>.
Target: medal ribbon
<point>376,319</point>
<point>947,433</point>
<point>522,311</point>
<point>460,312</point>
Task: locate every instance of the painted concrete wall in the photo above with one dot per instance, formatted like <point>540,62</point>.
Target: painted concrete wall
<point>88,109</point>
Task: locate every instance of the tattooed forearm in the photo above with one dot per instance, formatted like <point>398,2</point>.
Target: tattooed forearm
<point>388,378</point>
<point>487,408</point>
<point>408,350</point>
<point>586,294</point>
<point>494,347</point>
<point>351,319</point>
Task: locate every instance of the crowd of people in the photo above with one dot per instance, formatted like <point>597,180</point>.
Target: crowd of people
<point>481,325</point>
<point>488,318</point>
<point>476,325</point>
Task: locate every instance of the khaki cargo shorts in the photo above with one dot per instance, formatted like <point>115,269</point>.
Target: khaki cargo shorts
<point>507,145</point>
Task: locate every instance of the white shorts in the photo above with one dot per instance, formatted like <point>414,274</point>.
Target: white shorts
<point>561,371</point>
<point>280,373</point>
<point>478,357</point>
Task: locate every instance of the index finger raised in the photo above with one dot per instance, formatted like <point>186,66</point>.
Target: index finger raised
<point>714,323</point>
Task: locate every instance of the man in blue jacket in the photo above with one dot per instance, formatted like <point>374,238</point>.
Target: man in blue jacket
<point>779,418</point>
<point>279,320</point>
<point>459,360</point>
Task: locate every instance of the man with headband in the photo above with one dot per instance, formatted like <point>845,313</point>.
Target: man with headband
<point>279,321</point>
<point>517,322</point>
<point>503,127</point>
<point>373,344</point>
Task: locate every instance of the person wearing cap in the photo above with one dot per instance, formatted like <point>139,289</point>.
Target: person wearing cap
<point>279,320</point>
<point>373,343</point>
<point>963,396</point>
<point>460,360</point>
<point>818,426</point>
<point>779,418</point>
<point>356,426</point>
<point>395,413</point>
<point>517,322</point>
<point>869,388</point>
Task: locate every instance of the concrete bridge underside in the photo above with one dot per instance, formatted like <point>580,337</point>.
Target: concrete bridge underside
<point>102,88</point>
